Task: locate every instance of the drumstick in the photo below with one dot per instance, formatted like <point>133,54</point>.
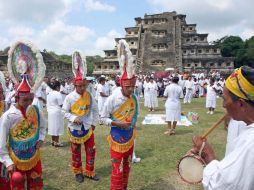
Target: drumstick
<point>213,127</point>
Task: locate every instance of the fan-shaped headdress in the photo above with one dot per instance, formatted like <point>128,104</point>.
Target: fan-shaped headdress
<point>78,66</point>
<point>26,66</point>
<point>2,82</point>
<point>127,67</point>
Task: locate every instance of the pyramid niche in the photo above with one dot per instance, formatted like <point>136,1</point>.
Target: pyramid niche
<point>165,40</point>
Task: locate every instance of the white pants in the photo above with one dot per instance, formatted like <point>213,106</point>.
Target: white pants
<point>188,96</point>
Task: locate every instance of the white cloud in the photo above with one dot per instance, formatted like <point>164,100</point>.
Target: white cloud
<point>218,18</point>
<point>94,5</point>
<point>33,11</point>
<point>108,41</point>
<point>20,32</point>
<point>63,38</point>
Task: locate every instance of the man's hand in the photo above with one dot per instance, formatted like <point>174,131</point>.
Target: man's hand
<point>77,121</point>
<point>207,152</point>
<point>11,169</point>
<point>39,144</point>
<point>126,125</point>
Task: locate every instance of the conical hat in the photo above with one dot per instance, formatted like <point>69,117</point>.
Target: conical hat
<point>79,68</point>
<point>25,63</point>
<point>125,60</point>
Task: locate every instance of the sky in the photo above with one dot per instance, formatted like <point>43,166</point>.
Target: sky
<point>90,26</point>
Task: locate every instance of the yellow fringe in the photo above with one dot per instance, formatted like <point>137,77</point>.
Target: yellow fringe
<point>89,173</point>
<point>80,140</point>
<point>78,170</point>
<point>117,147</point>
<point>25,165</point>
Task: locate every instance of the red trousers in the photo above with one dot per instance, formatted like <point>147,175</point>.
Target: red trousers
<point>90,156</point>
<point>33,179</point>
<point>4,178</point>
<point>120,169</point>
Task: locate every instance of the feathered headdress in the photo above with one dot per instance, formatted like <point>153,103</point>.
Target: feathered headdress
<point>2,81</point>
<point>125,60</point>
<point>79,68</point>
<point>26,66</point>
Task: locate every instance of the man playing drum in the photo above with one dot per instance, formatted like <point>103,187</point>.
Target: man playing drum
<point>236,170</point>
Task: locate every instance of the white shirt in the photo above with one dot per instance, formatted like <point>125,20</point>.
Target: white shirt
<point>54,100</point>
<point>8,121</point>
<point>113,103</point>
<point>236,170</point>
<point>66,109</point>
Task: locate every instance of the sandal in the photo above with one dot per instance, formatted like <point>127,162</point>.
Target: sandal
<point>57,144</point>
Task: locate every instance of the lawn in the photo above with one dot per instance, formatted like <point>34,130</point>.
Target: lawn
<point>159,153</point>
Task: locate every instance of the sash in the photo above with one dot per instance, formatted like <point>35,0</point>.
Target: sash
<point>121,140</point>
<point>81,108</point>
<point>23,138</point>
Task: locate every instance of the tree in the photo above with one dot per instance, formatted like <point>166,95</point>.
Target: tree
<point>234,46</point>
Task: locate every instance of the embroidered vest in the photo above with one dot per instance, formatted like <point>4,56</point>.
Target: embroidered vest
<point>121,140</point>
<point>81,108</point>
<point>23,138</point>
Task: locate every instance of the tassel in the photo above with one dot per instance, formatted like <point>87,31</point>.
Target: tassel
<point>25,165</point>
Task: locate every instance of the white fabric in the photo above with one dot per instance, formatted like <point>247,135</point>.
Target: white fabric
<point>8,121</point>
<point>234,130</point>
<point>189,85</point>
<point>55,116</point>
<point>66,109</point>
<point>36,101</point>
<point>101,100</point>
<point>236,170</point>
<point>113,102</point>
<point>63,92</point>
<point>211,97</point>
<point>152,92</point>
<point>146,95</point>
<point>173,93</point>
<point>201,87</point>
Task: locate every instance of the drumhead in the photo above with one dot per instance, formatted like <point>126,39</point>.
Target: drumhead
<point>190,168</point>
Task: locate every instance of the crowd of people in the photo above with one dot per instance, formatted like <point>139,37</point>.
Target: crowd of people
<point>114,101</point>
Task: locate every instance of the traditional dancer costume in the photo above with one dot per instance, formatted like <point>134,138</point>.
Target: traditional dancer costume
<point>22,128</point>
<point>84,108</point>
<point>120,108</point>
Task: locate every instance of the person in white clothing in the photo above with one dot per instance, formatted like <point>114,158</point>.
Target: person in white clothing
<point>55,116</point>
<point>235,171</point>
<point>39,99</point>
<point>201,87</point>
<point>102,94</point>
<point>152,95</point>
<point>173,93</point>
<point>211,97</point>
<point>234,129</point>
<point>189,85</point>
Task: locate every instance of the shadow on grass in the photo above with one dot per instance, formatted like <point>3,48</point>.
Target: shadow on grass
<point>51,188</point>
<point>181,132</point>
<point>104,171</point>
<point>159,185</point>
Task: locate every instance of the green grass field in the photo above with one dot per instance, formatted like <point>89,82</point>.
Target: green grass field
<point>159,153</point>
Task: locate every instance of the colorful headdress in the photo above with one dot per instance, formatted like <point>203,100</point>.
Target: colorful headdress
<point>240,86</point>
<point>78,66</point>
<point>2,81</point>
<point>127,67</point>
<point>26,66</point>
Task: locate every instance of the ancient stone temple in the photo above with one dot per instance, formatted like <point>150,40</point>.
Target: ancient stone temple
<point>163,41</point>
<point>54,67</point>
